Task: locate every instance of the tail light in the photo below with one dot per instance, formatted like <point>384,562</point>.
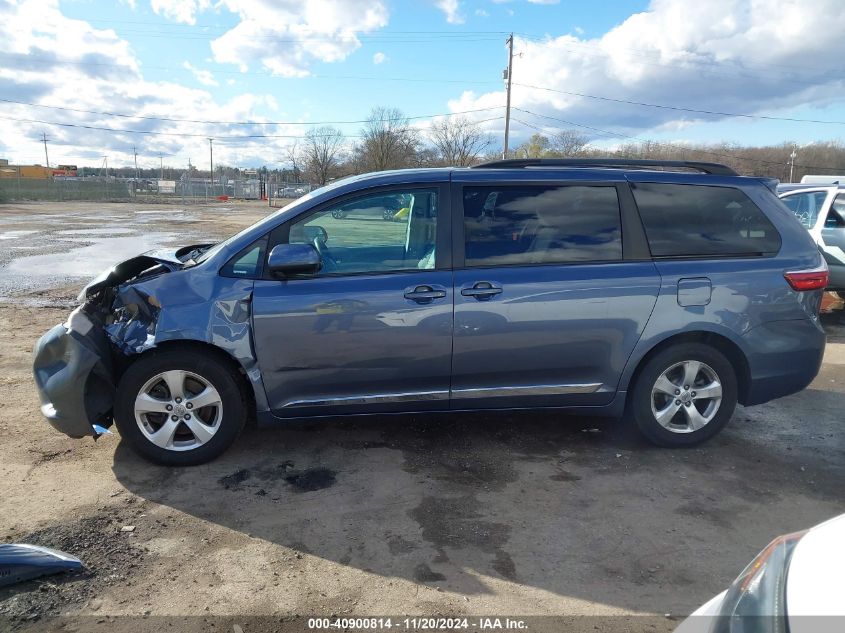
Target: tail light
<point>811,279</point>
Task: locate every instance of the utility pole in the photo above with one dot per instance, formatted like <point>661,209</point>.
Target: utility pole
<point>792,158</point>
<point>211,160</point>
<point>161,166</point>
<point>135,152</point>
<point>508,75</point>
<point>45,139</point>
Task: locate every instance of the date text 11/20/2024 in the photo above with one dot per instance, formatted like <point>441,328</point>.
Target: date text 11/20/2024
<point>418,624</point>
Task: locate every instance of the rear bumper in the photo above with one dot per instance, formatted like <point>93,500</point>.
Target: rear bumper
<point>72,371</point>
<point>837,276</point>
<point>783,358</point>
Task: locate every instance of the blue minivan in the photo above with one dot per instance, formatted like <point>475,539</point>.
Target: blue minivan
<point>666,291</point>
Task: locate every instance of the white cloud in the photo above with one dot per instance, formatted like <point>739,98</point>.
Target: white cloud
<point>743,56</point>
<point>287,36</point>
<point>481,13</point>
<point>47,57</point>
<point>284,36</point>
<point>180,10</point>
<point>203,76</point>
<point>544,1</point>
<point>379,58</point>
<point>452,10</point>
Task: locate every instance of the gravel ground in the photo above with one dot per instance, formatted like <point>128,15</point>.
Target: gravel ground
<point>531,514</point>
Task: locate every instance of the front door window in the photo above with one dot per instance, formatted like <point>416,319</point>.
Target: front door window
<point>382,232</point>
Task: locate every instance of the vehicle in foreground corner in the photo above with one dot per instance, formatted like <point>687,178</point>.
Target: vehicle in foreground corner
<point>794,584</point>
<point>821,209</point>
<point>672,290</point>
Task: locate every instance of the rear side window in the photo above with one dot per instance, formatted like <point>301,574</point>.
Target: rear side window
<point>701,221</point>
<point>541,224</point>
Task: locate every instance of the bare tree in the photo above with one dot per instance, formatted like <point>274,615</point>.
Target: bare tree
<point>535,147</point>
<point>459,141</point>
<point>293,153</point>
<point>568,143</point>
<point>388,140</point>
<point>321,152</point>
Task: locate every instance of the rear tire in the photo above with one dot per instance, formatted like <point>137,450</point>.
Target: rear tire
<point>179,407</point>
<point>684,395</point>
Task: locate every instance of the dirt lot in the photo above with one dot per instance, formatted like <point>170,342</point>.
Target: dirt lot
<point>530,514</point>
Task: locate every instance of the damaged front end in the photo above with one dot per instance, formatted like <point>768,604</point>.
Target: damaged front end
<point>75,364</point>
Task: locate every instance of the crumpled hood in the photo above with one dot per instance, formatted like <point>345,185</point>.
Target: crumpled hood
<point>168,260</point>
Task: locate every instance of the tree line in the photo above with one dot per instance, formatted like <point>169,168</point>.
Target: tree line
<point>388,140</point>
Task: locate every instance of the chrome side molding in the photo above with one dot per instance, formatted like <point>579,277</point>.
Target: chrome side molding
<point>370,399</point>
<point>482,392</point>
<point>527,390</point>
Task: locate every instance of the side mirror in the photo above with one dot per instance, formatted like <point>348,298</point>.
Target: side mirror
<point>294,259</point>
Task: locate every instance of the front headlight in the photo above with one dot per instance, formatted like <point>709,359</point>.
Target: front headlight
<point>756,601</point>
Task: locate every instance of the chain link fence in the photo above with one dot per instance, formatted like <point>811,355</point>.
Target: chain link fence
<point>182,191</point>
<point>281,193</point>
<point>61,189</point>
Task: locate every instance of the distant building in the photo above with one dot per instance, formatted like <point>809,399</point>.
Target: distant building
<point>24,171</point>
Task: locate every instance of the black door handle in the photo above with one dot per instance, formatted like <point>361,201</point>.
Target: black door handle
<point>482,291</point>
<point>424,294</point>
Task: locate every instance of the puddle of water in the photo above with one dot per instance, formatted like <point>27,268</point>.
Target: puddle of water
<point>101,231</point>
<point>86,261</point>
<point>159,211</point>
<point>13,235</point>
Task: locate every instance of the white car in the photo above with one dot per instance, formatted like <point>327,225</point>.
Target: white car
<point>795,585</point>
<point>821,209</point>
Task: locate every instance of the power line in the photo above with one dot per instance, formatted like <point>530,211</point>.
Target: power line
<point>370,78</point>
<point>671,145</point>
<point>206,122</point>
<point>227,27</point>
<point>683,109</point>
<point>150,132</point>
<point>216,71</point>
<point>387,38</point>
<point>193,135</point>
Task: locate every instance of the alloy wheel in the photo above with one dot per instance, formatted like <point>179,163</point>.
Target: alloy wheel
<point>686,397</point>
<point>178,410</point>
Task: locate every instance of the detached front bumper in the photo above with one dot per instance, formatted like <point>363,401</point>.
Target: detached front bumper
<point>73,373</point>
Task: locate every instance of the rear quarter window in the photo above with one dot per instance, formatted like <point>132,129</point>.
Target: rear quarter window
<point>703,220</point>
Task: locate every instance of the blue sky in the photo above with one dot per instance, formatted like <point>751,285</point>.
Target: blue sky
<point>451,64</point>
<point>334,60</point>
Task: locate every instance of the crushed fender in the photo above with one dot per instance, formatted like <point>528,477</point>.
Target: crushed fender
<point>135,318</point>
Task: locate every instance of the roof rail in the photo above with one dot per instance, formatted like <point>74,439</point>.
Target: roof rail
<point>716,169</point>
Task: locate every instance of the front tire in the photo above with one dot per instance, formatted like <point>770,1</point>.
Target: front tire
<point>684,395</point>
<point>179,407</point>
